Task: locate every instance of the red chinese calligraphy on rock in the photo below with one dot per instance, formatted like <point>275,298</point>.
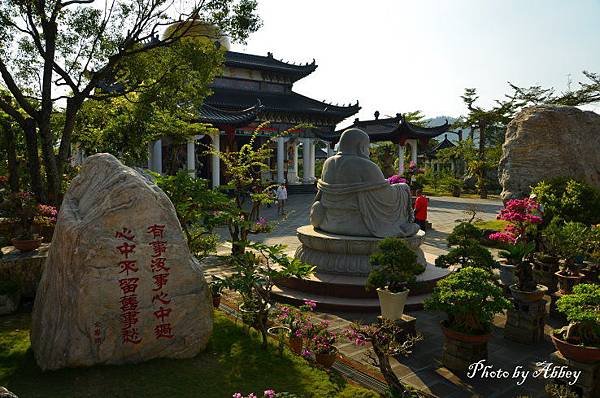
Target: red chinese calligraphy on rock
<point>126,249</point>
<point>163,331</point>
<point>125,233</point>
<point>160,280</point>
<point>159,264</point>
<point>128,266</point>
<point>159,247</point>
<point>130,336</point>
<point>162,297</point>
<point>157,231</point>
<point>128,285</point>
<point>162,313</point>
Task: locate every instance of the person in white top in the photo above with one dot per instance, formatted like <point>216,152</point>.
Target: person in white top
<point>281,194</point>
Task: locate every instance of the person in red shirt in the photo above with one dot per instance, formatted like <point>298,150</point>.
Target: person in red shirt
<point>421,209</point>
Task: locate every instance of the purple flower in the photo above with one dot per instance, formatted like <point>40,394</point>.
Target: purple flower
<point>269,394</point>
<point>311,304</point>
<point>237,395</point>
<point>306,353</point>
<point>251,395</point>
<point>396,179</point>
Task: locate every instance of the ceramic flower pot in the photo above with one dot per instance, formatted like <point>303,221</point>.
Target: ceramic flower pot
<point>463,337</point>
<point>296,344</point>
<point>578,353</point>
<point>567,282</point>
<point>27,245</point>
<point>326,360</point>
<point>392,304</point>
<point>216,300</point>
<point>528,297</point>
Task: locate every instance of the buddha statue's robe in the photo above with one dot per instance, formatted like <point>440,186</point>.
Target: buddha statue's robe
<point>354,198</point>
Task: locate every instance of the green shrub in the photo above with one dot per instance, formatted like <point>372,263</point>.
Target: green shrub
<point>569,199</point>
<point>467,251</point>
<point>394,266</point>
<point>9,288</point>
<point>582,309</point>
<point>470,298</point>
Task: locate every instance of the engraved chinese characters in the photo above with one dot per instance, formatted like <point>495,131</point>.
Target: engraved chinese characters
<point>120,285</point>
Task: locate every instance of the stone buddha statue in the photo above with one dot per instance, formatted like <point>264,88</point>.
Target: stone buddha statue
<point>355,199</point>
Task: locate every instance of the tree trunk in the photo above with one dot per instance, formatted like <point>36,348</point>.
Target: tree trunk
<point>11,155</point>
<point>33,160</point>
<point>395,385</point>
<point>482,173</point>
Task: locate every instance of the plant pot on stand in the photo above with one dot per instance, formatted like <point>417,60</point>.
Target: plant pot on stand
<point>327,360</point>
<point>568,280</point>
<point>507,274</point>
<point>526,319</point>
<point>544,272</point>
<point>461,349</point>
<point>392,304</point>
<point>27,245</point>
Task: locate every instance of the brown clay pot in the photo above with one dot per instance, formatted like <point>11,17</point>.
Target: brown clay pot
<point>566,282</point>
<point>576,353</point>
<point>216,300</point>
<point>296,344</point>
<point>326,360</point>
<point>466,338</point>
<point>27,245</point>
<point>528,297</point>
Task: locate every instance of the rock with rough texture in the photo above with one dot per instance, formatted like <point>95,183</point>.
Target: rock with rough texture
<point>119,285</point>
<point>544,142</point>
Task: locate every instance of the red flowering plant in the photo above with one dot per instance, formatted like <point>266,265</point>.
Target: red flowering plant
<point>524,216</point>
<point>396,179</point>
<point>294,318</point>
<point>24,210</point>
<point>324,342</point>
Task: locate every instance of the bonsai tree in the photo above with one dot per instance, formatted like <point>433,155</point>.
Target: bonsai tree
<point>394,266</point>
<point>254,275</point>
<point>470,298</point>
<point>523,216</point>
<point>23,208</point>
<point>582,309</point>
<point>548,242</point>
<point>573,246</point>
<point>467,251</point>
<point>388,339</point>
<point>518,255</point>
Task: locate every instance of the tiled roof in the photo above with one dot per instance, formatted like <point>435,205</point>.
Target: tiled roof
<point>269,63</point>
<point>214,115</point>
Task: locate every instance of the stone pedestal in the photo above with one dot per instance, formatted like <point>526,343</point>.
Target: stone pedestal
<point>544,274</point>
<point>525,322</point>
<point>458,355</point>
<point>346,255</point>
<point>24,268</point>
<point>588,384</point>
<point>407,324</point>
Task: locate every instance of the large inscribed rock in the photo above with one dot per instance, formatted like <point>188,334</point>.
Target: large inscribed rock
<point>119,285</point>
<point>543,142</point>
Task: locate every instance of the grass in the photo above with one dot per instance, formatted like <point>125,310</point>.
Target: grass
<point>491,225</point>
<point>232,362</point>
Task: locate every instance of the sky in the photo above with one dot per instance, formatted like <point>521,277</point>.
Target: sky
<point>401,56</point>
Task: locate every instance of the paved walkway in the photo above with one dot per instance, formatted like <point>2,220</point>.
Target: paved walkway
<point>423,369</point>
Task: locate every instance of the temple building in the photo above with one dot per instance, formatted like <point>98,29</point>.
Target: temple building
<point>398,131</point>
<point>251,90</point>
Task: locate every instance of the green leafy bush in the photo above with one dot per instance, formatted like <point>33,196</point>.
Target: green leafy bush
<point>199,209</point>
<point>470,298</point>
<point>569,199</point>
<point>394,266</point>
<point>582,309</point>
<point>467,251</point>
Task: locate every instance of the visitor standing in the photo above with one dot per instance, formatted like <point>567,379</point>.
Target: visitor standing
<point>281,194</point>
<point>421,204</point>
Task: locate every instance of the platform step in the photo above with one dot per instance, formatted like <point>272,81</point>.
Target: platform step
<point>343,304</point>
<point>299,189</point>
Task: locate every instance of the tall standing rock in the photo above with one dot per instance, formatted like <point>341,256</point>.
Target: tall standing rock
<point>120,285</point>
<point>544,142</point>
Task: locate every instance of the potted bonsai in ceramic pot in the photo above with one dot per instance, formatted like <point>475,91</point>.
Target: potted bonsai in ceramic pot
<point>573,247</point>
<point>470,298</point>
<point>591,268</point>
<point>295,319</point>
<point>216,287</point>
<point>523,216</point>
<point>466,249</point>
<point>547,256</point>
<point>323,346</point>
<point>580,340</point>
<point>23,208</point>
<point>394,267</point>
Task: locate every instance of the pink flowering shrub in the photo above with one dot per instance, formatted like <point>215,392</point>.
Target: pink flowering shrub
<point>396,179</point>
<point>522,215</point>
<point>270,393</point>
<point>294,318</point>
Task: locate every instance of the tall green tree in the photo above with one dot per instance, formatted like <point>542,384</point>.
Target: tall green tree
<point>55,54</point>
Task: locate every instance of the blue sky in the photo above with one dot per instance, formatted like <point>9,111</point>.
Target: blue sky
<point>399,56</point>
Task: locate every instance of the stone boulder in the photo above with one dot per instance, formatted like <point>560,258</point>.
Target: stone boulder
<point>119,285</point>
<point>544,142</point>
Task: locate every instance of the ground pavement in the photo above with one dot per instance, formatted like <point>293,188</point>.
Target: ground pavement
<point>422,369</point>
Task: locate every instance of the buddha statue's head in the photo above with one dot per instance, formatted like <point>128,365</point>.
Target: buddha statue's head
<point>354,142</point>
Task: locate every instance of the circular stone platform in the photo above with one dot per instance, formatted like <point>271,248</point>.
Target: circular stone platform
<point>343,254</point>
